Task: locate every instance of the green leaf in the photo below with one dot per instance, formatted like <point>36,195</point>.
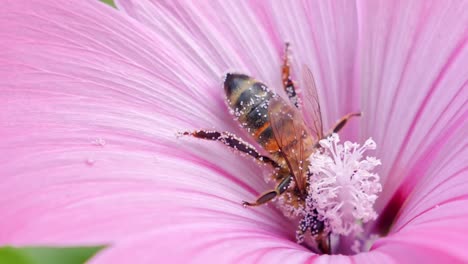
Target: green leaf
<point>109,2</point>
<point>46,255</point>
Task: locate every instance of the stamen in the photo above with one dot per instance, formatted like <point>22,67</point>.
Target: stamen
<point>342,189</point>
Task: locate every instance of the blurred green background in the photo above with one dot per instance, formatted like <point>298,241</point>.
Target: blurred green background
<point>46,255</point>
<point>110,2</point>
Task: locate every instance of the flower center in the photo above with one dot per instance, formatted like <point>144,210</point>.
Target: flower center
<point>342,189</point>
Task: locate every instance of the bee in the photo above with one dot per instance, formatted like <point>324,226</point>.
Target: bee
<point>288,134</point>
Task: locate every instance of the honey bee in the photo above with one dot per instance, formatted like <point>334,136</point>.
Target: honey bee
<point>284,132</point>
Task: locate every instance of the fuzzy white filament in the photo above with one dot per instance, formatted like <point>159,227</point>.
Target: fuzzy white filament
<point>342,188</point>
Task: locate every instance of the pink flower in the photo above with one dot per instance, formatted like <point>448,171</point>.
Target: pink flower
<point>92,99</point>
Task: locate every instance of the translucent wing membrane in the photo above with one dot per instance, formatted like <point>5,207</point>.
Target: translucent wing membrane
<point>310,104</point>
<point>292,137</point>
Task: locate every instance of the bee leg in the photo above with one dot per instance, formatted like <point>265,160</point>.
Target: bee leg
<point>342,122</point>
<point>269,195</point>
<point>323,243</point>
<point>288,83</point>
<point>234,142</point>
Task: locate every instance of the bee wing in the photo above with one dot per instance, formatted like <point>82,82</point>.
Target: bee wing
<point>293,138</point>
<point>310,104</point>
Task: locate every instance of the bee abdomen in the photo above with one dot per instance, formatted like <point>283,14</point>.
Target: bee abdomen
<point>248,100</point>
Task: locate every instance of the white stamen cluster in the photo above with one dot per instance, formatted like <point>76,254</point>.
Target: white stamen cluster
<point>342,188</point>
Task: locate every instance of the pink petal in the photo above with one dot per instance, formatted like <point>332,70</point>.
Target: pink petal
<point>226,242</point>
<point>89,151</point>
<point>256,31</point>
<point>395,72</point>
<point>444,184</point>
<point>413,68</point>
<point>221,47</point>
<point>405,253</point>
<point>435,114</point>
<point>241,242</point>
<point>427,177</point>
<point>73,75</point>
<point>442,241</point>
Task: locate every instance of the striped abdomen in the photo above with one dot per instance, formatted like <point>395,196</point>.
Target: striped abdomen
<point>248,100</point>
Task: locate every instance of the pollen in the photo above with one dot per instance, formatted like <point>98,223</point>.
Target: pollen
<point>342,187</point>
